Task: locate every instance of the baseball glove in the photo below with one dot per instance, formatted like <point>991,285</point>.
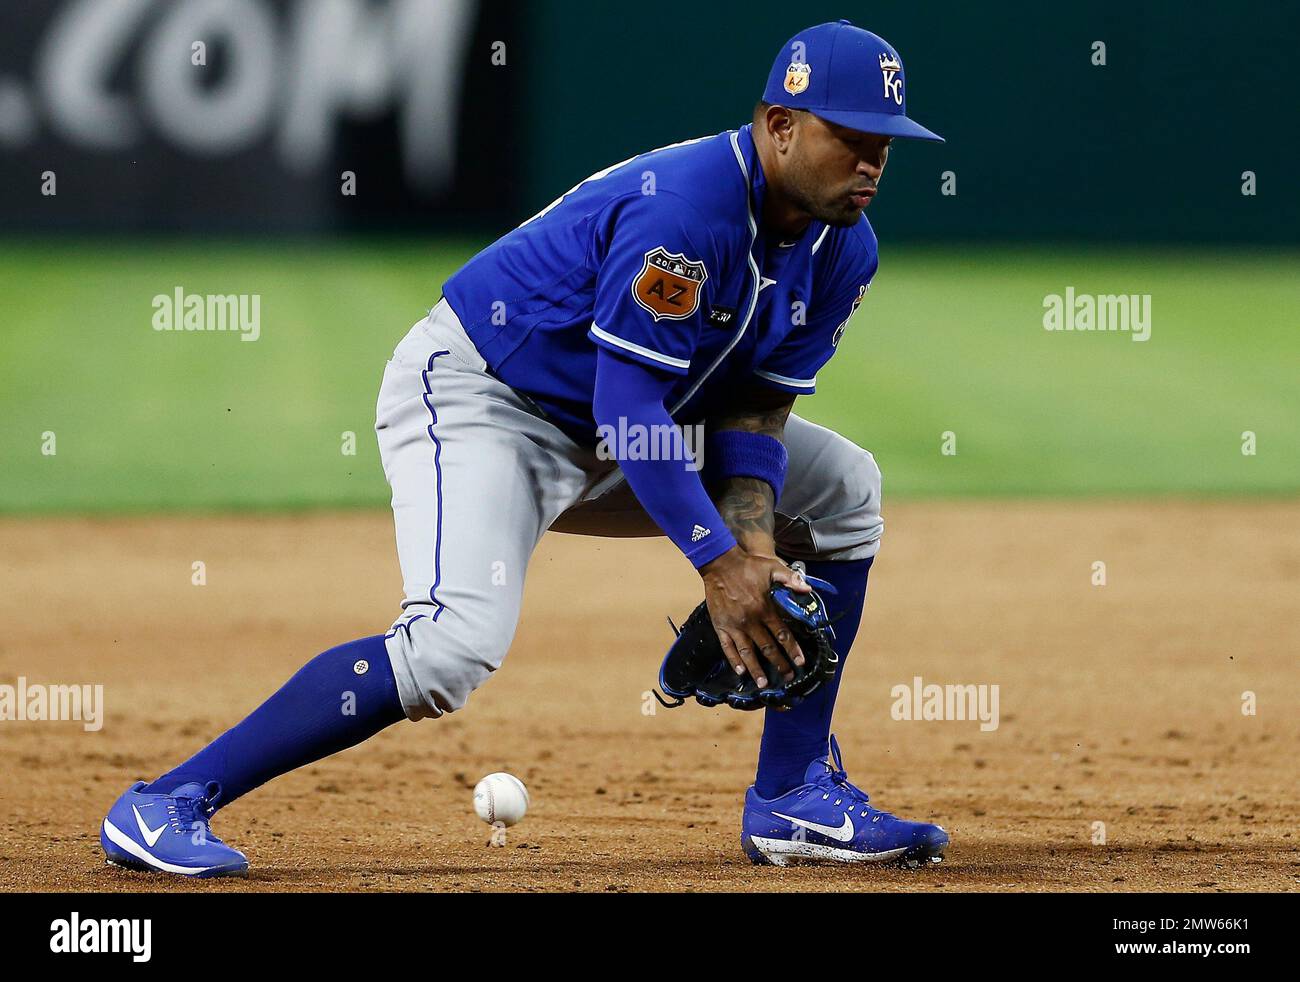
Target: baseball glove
<point>696,667</point>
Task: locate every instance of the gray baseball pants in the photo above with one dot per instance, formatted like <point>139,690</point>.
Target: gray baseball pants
<point>478,475</point>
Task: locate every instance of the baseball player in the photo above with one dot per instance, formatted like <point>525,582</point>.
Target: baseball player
<point>703,284</point>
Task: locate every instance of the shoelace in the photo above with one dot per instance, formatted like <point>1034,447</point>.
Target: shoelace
<point>185,813</point>
<point>836,780</point>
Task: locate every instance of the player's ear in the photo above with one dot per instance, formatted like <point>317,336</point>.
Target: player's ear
<point>780,126</point>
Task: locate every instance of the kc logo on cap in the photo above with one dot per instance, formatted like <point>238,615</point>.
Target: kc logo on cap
<point>844,91</point>
<point>889,69</point>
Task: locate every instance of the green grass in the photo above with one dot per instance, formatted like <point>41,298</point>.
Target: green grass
<point>947,341</point>
<point>955,342</point>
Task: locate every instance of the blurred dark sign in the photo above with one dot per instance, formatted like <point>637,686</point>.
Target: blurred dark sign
<point>291,115</point>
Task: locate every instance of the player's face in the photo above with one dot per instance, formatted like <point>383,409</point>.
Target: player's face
<point>833,171</point>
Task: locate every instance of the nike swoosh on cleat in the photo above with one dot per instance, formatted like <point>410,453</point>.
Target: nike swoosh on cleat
<point>842,834</point>
<point>149,835</point>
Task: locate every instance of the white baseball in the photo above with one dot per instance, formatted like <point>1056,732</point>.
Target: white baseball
<point>500,797</point>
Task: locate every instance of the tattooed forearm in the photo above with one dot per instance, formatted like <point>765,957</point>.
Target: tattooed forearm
<point>767,419</point>
<point>746,505</point>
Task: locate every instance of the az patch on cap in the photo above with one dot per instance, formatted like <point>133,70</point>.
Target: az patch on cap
<point>796,77</point>
<point>669,284</point>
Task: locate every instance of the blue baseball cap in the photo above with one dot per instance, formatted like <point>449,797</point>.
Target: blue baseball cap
<point>845,75</point>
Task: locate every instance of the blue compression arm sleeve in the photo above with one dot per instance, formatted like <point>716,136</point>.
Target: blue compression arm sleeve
<point>629,403</point>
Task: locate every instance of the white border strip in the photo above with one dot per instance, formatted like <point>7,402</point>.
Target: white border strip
<point>781,851</point>
<point>638,349</point>
<point>798,383</point>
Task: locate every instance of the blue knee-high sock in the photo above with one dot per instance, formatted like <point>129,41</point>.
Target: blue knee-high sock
<point>326,707</point>
<point>795,738</point>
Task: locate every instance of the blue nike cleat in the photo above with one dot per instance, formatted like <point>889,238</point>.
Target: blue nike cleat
<point>169,833</point>
<point>828,819</point>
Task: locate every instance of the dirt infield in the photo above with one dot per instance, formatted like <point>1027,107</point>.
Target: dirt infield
<point>1119,704</point>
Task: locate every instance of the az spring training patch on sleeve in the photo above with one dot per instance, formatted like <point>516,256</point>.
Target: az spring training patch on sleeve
<point>668,285</point>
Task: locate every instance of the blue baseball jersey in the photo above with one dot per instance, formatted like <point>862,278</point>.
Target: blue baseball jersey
<point>661,258</point>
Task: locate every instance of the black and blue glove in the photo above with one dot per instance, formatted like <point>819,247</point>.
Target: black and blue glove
<point>695,666</point>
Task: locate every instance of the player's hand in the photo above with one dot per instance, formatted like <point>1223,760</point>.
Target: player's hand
<point>736,586</point>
